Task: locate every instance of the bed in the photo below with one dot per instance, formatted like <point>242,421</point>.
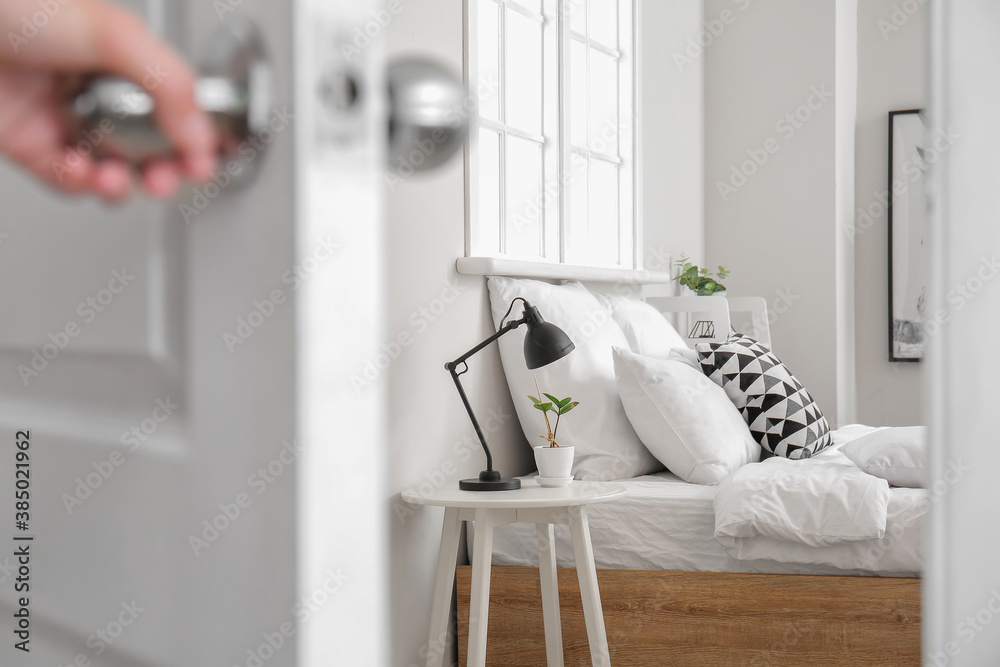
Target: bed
<point>666,523</point>
<point>673,594</point>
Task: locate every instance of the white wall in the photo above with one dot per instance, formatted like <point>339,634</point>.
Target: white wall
<point>771,193</point>
<point>431,440</point>
<point>673,118</point>
<point>893,77</point>
<point>847,65</point>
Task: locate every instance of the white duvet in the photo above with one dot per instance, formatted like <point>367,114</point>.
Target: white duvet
<point>793,508</point>
<point>667,524</point>
<point>813,502</point>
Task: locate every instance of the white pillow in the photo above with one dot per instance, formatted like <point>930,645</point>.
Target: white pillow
<point>683,418</point>
<point>647,331</point>
<point>686,356</point>
<point>606,445</point>
<point>895,454</point>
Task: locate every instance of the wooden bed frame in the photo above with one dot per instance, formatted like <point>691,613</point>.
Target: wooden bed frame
<point>656,618</point>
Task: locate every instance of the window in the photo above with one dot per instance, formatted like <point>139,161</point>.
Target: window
<point>551,161</point>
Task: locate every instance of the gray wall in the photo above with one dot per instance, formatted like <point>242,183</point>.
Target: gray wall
<point>789,232</point>
<point>771,189</point>
<point>893,77</point>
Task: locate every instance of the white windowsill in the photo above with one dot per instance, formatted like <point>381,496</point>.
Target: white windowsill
<point>493,266</point>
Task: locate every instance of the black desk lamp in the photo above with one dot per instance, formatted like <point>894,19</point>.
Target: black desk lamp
<point>543,344</point>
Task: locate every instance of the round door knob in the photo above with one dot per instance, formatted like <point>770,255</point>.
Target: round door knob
<point>428,120</point>
<point>116,116</point>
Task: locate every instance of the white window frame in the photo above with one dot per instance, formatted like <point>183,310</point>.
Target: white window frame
<point>558,150</point>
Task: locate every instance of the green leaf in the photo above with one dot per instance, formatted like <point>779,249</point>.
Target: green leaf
<point>544,407</point>
<point>534,400</point>
<point>569,407</point>
<point>559,402</point>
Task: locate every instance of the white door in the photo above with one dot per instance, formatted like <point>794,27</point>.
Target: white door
<point>961,585</point>
<point>203,480</point>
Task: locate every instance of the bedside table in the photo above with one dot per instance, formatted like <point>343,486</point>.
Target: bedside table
<point>532,503</point>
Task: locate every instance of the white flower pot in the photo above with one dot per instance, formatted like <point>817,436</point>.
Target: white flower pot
<point>554,462</point>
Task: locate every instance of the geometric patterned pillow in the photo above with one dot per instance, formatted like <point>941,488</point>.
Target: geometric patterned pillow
<point>781,414</point>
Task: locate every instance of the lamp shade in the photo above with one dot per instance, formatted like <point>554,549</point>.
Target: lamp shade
<point>544,342</point>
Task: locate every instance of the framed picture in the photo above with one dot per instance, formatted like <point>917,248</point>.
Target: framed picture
<point>907,210</point>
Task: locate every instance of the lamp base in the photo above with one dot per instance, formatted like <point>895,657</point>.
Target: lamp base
<point>498,485</point>
<point>489,480</point>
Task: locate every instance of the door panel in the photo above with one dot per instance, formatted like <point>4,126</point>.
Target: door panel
<point>144,423</point>
<point>204,477</point>
<point>83,363</point>
<point>80,250</point>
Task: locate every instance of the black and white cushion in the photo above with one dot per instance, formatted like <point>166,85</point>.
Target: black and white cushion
<point>781,414</point>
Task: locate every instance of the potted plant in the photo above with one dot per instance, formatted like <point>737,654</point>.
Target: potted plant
<point>700,281</point>
<point>554,461</point>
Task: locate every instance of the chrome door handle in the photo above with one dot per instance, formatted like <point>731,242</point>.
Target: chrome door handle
<point>427,124</point>
<point>116,116</point>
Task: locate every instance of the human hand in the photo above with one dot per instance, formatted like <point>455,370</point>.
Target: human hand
<point>94,37</point>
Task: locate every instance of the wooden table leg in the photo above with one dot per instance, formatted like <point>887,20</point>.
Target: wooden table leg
<point>586,572</point>
<point>479,605</point>
<point>545,533</point>
<point>444,584</point>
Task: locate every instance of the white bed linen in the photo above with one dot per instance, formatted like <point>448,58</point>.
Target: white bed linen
<point>667,524</point>
<point>815,502</point>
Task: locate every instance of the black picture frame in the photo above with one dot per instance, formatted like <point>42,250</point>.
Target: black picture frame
<point>906,232</point>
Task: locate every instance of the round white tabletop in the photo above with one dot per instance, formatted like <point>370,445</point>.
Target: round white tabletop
<point>530,495</point>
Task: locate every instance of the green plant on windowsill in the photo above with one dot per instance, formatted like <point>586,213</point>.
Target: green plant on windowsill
<point>700,281</point>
